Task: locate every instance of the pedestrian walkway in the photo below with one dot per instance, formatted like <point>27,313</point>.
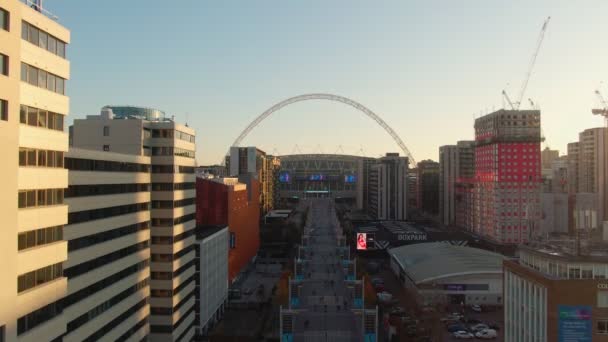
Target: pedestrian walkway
<point>326,300</point>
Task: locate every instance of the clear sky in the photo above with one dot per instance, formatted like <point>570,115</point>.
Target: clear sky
<point>427,68</point>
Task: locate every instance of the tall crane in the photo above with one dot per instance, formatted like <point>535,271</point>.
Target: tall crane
<point>515,105</point>
<point>601,111</point>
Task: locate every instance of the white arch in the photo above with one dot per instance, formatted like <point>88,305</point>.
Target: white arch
<point>328,97</point>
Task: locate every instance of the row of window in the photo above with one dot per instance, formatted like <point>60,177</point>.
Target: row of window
<point>170,133</point>
<point>78,164</point>
<point>172,151</point>
<point>39,198</point>
<point>106,282</point>
<point>160,293</point>
<point>41,158</point>
<point>172,186</point>
<point>104,260</point>
<point>39,237</point>
<point>36,117</point>
<point>96,336</point>
<point>43,79</point>
<point>42,39</point>
<point>105,189</point>
<point>169,240</point>
<point>40,276</point>
<point>101,213</point>
<point>124,337</point>
<point>35,318</point>
<point>170,257</point>
<point>173,204</point>
<point>171,275</point>
<point>167,222</point>
<point>172,169</point>
<point>105,306</point>
<point>93,239</point>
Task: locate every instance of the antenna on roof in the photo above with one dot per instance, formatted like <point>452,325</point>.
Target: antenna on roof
<point>187,115</point>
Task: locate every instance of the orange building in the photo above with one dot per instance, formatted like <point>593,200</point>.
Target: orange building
<point>225,201</point>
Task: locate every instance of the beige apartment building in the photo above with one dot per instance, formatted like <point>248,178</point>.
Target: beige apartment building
<point>33,106</point>
<point>146,132</point>
<point>108,237</point>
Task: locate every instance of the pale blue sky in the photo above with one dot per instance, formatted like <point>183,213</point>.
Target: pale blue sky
<point>427,68</point>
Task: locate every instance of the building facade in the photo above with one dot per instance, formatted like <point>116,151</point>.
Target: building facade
<point>211,276</point>
<point>108,237</point>
<point>225,201</point>
<point>33,106</point>
<point>550,294</point>
<point>388,188</point>
<point>593,168</point>
<point>507,176</point>
<point>456,166</point>
<point>253,162</point>
<point>428,186</point>
<point>171,148</point>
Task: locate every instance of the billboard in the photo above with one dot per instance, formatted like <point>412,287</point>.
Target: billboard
<point>350,178</point>
<point>574,323</point>
<point>362,241</point>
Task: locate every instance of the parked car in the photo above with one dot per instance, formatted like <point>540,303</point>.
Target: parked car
<point>456,327</point>
<point>476,308</point>
<point>473,321</point>
<point>486,334</point>
<point>494,326</point>
<point>384,296</point>
<point>376,281</point>
<point>461,334</point>
<point>479,327</point>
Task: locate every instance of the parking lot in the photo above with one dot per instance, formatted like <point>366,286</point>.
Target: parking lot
<point>429,326</point>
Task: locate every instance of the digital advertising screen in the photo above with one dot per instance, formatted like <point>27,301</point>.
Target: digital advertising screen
<point>317,177</point>
<point>362,241</point>
<point>574,323</point>
<point>350,178</point>
<point>284,177</point>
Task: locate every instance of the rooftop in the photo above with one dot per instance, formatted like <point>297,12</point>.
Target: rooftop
<point>587,250</point>
<point>426,262</point>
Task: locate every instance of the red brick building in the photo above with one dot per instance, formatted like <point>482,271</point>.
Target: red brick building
<point>225,201</point>
<point>507,176</point>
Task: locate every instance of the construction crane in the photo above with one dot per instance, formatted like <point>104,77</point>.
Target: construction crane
<point>601,111</point>
<point>515,105</point>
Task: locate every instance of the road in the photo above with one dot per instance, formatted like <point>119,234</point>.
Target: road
<point>325,297</point>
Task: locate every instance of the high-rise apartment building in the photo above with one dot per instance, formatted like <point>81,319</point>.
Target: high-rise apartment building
<point>507,175</point>
<point>593,168</point>
<point>572,156</point>
<point>428,186</point>
<point>33,106</point>
<point>388,188</point>
<point>246,162</point>
<point>171,147</point>
<point>554,293</point>
<point>108,238</point>
<point>456,165</point>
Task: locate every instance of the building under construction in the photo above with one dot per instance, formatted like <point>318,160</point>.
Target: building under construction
<point>507,176</point>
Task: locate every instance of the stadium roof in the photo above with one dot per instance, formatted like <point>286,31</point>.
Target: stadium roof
<point>426,262</point>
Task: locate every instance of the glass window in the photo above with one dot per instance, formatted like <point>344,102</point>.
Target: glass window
<point>33,36</point>
<point>31,198</point>
<point>42,198</point>
<point>42,39</point>
<point>24,30</point>
<point>3,64</point>
<point>4,19</point>
<point>106,131</point>
<point>60,48</point>
<point>50,157</point>
<point>602,326</point>
<point>32,116</point>
<point>24,72</point>
<point>59,163</point>
<point>42,78</point>
<point>41,118</point>
<point>31,157</point>
<point>52,44</point>
<point>41,158</point>
<point>32,75</point>
<point>60,88</point>
<point>22,156</point>
<point>23,114</point>
<point>51,117</point>
<point>59,122</point>
<point>4,110</point>
<point>50,82</point>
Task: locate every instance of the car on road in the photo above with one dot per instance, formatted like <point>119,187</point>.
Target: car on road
<point>473,321</point>
<point>456,327</point>
<point>384,296</point>
<point>461,334</point>
<point>486,334</point>
<point>476,308</point>
<point>479,327</point>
